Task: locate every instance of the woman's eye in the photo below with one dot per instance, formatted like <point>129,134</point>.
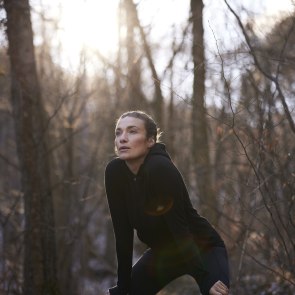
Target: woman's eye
<point>132,131</point>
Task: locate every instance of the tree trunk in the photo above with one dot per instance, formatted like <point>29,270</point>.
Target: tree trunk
<point>64,219</point>
<point>136,98</point>
<point>171,122</point>
<point>40,252</point>
<point>200,145</point>
<point>158,96</point>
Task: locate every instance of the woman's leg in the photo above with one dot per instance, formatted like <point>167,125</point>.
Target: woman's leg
<point>216,263</point>
<point>149,275</point>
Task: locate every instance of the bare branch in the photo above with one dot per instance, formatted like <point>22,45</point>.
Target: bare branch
<point>261,182</point>
<point>274,79</point>
<point>7,161</point>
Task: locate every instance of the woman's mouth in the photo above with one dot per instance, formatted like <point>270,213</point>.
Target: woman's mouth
<point>124,149</point>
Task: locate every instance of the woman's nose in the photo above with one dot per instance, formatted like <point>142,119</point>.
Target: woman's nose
<point>123,137</point>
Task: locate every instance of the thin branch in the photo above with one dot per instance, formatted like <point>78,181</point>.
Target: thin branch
<point>274,79</point>
<point>11,210</point>
<point>261,182</point>
<point>177,49</point>
<point>257,261</point>
<point>7,161</point>
<point>157,82</point>
<point>64,140</point>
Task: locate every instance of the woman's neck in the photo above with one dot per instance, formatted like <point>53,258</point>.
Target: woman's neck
<point>134,165</point>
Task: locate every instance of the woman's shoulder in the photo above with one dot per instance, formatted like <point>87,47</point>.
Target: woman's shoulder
<point>159,164</point>
<point>114,165</point>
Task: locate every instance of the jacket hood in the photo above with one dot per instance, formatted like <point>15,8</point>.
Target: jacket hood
<point>158,149</point>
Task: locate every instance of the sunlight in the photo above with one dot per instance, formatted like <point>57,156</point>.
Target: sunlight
<point>89,25</point>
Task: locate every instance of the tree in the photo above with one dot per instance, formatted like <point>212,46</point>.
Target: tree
<point>158,96</point>
<point>259,125</point>
<point>31,137</point>
<point>200,144</point>
<point>136,98</point>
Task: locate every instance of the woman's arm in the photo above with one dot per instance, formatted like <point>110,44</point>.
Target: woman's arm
<point>122,229</point>
<point>165,182</point>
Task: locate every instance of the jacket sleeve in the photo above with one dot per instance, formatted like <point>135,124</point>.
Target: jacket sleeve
<point>122,228</point>
<point>166,183</point>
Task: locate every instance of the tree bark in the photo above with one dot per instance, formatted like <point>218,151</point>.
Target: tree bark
<point>29,115</point>
<point>200,145</point>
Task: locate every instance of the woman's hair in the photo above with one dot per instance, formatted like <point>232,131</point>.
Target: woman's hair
<point>150,125</point>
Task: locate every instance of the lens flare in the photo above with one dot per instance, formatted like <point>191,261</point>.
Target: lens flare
<point>159,205</point>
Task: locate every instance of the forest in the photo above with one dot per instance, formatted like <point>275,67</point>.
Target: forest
<point>221,91</point>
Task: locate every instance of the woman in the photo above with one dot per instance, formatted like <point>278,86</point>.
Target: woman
<point>146,192</point>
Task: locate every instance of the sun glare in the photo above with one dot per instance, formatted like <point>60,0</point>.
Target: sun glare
<point>89,25</point>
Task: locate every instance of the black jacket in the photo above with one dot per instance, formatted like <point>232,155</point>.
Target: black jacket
<point>156,203</point>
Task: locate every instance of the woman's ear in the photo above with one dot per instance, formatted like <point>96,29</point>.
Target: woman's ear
<point>151,141</point>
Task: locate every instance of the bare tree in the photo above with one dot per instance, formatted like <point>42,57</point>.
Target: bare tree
<point>29,116</point>
<point>200,145</point>
<point>158,96</point>
<point>136,98</point>
<point>261,137</point>
<point>273,77</point>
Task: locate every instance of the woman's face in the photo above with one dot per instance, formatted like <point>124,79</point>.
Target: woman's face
<point>131,141</point>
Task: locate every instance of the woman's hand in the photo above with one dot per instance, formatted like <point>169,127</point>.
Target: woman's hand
<point>219,288</point>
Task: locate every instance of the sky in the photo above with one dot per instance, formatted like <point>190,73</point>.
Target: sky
<point>93,24</point>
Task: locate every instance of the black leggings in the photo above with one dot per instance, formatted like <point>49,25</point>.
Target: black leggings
<point>149,275</point>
